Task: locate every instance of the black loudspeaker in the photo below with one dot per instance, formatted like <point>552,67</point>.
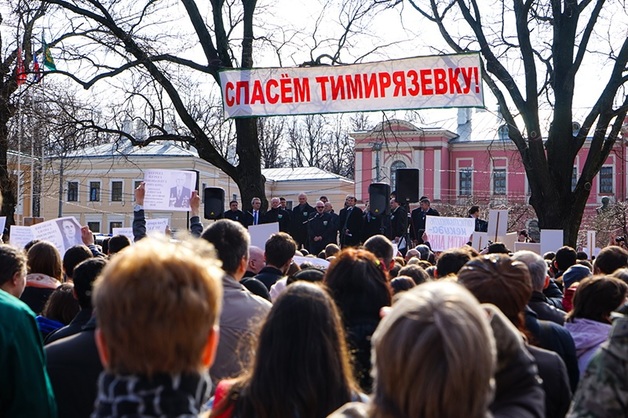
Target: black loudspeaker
<point>407,185</point>
<point>379,198</point>
<point>214,202</point>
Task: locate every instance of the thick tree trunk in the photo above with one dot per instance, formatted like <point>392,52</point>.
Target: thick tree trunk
<point>249,170</point>
<point>9,199</point>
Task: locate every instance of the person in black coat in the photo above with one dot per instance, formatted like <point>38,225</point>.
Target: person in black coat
<point>277,214</point>
<point>480,224</point>
<point>418,219</point>
<point>300,214</point>
<point>73,367</point>
<point>350,223</point>
<point>320,230</point>
<point>234,213</point>
<point>255,216</point>
<point>398,225</point>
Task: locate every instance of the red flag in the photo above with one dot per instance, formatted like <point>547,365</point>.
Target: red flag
<point>20,72</point>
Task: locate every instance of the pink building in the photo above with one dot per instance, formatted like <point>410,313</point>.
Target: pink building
<point>468,157</point>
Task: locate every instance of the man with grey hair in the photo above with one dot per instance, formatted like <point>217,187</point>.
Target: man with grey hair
<point>300,215</point>
<point>540,280</point>
<point>255,216</point>
<point>279,215</point>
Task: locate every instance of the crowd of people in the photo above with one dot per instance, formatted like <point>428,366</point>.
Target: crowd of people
<point>208,325</point>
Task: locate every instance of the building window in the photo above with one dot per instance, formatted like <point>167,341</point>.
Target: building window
<point>499,181</point>
<point>94,227</point>
<point>465,182</point>
<point>574,178</point>
<point>393,173</point>
<point>606,180</point>
<point>94,191</point>
<point>114,225</point>
<point>72,191</point>
<point>116,191</point>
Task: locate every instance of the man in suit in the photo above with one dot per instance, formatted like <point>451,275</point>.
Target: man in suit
<point>255,216</point>
<point>399,225</point>
<point>234,213</point>
<point>350,223</point>
<point>418,219</point>
<point>321,230</point>
<point>277,214</point>
<point>300,214</point>
<point>180,195</point>
<point>480,224</point>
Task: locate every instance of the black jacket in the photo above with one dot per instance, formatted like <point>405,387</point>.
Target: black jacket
<point>74,327</point>
<point>281,216</point>
<point>73,367</point>
<point>269,275</point>
<point>417,227</point>
<point>350,223</point>
<point>540,305</point>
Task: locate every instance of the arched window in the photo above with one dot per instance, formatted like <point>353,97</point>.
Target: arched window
<point>393,172</point>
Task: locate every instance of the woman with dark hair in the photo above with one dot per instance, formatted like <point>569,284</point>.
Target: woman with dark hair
<point>45,271</point>
<point>59,310</point>
<point>507,284</point>
<point>301,366</point>
<point>589,322</point>
<point>360,288</point>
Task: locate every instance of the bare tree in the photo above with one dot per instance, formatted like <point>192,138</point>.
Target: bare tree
<point>271,141</point>
<point>533,52</point>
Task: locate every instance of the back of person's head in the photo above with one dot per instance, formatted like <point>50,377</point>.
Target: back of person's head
<point>412,253</point>
<point>291,376</point>
<point>499,280</point>
<point>117,243</point>
<point>157,307</point>
<point>44,258</point>
<point>73,256</point>
<point>12,261</point>
<point>574,274</point>
<point>29,244</point>
<point>433,355</point>
<point>565,257</point>
<point>358,284</point>
<point>621,274</point>
<point>231,241</point>
<point>310,274</point>
<point>549,255</point>
<point>474,209</point>
<point>417,273</point>
<point>331,250</point>
<point>581,255</point>
<point>596,297</point>
<point>401,284</point>
<point>536,266</point>
<point>105,245</point>
<point>451,261</point>
<point>279,249</point>
<point>85,275</point>
<point>610,259</point>
<point>381,247</point>
<point>61,305</point>
<point>497,248</point>
<point>394,271</point>
<point>424,251</point>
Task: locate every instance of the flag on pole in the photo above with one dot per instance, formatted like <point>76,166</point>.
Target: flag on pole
<point>20,72</point>
<point>49,62</point>
<point>36,70</point>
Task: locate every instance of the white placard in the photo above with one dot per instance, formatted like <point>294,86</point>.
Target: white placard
<point>152,225</point>
<point>260,233</point>
<point>63,233</point>
<point>169,190</point>
<point>315,261</point>
<point>528,246</point>
<point>551,240</point>
<point>479,240</point>
<point>127,232</point>
<point>410,83</point>
<point>3,223</point>
<point>497,224</point>
<point>590,244</point>
<point>20,235</point>
<point>509,240</point>
<point>444,233</point>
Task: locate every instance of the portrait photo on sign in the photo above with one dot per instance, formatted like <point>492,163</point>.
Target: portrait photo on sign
<point>169,189</point>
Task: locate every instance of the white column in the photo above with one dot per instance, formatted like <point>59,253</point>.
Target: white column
<point>437,174</point>
<point>421,166</point>
<point>358,175</point>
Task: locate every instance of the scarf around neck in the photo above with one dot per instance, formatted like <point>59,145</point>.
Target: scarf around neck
<point>162,395</point>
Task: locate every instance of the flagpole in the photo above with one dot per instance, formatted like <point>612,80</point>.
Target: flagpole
<point>32,94</point>
<point>20,203</point>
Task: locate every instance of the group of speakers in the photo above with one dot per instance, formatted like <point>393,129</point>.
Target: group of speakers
<point>406,189</point>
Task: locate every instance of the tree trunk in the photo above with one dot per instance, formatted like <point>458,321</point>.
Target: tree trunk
<point>249,170</point>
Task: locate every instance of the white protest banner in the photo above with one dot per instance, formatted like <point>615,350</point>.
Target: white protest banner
<point>62,232</point>
<point>479,240</point>
<point>497,224</point>
<point>3,223</point>
<point>157,225</point>
<point>260,233</point>
<point>551,240</point>
<point>315,261</point>
<point>411,83</point>
<point>528,246</point>
<point>20,235</point>
<point>509,240</point>
<point>127,232</point>
<point>444,233</point>
<point>169,189</point>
